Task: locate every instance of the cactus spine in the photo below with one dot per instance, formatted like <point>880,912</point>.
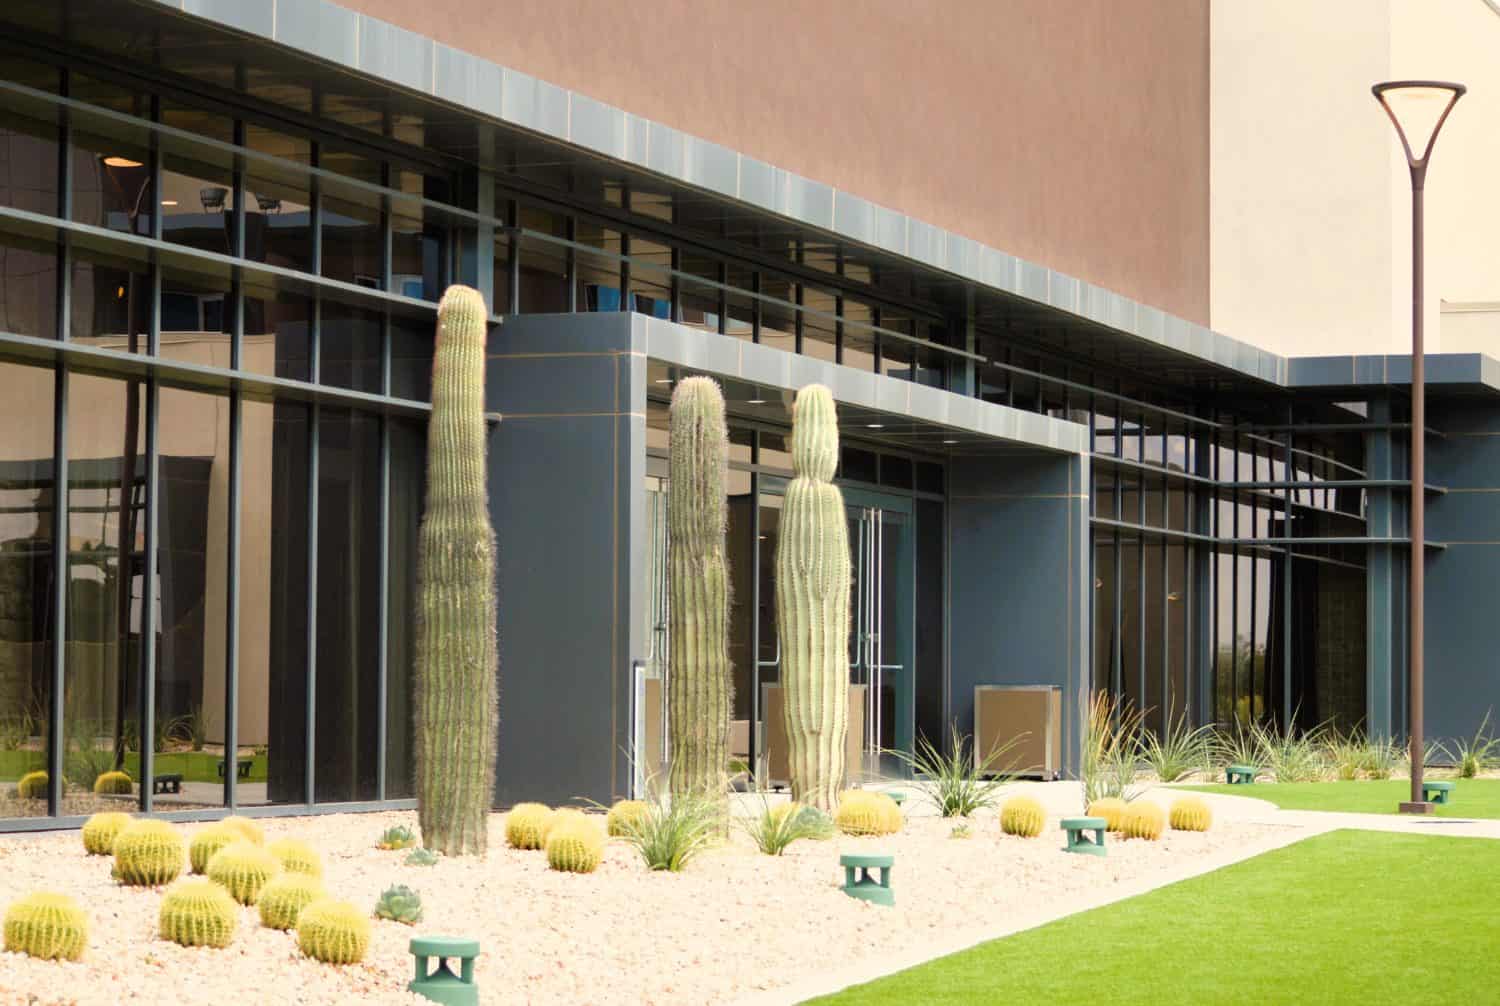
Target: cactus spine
<point>297,857</point>
<point>206,843</point>
<point>1143,819</point>
<point>575,846</point>
<point>457,665</point>
<point>526,825</point>
<point>812,604</point>
<point>46,925</point>
<point>699,685</point>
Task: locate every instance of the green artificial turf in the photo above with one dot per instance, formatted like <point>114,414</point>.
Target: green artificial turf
<point>193,766</point>
<point>1345,917</point>
<point>1470,797</point>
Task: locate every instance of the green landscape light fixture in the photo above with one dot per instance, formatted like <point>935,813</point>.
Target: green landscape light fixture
<point>1418,109</point>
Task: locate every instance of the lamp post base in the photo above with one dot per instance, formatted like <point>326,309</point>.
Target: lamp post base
<point>1419,807</point>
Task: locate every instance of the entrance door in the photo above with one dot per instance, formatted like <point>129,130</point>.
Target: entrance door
<point>881,637</point>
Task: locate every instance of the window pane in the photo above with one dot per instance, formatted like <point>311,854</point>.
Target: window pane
<point>278,223</point>
<point>28,288</point>
<point>111,303</point>
<point>273,597</point>
<point>276,334</point>
<point>106,521</point>
<point>191,584</point>
<point>26,549</point>
<point>348,610</point>
<point>112,184</point>
<point>353,243</point>
<point>28,164</point>
<point>197,204</point>
<point>408,493</point>
<point>195,320</point>
<point>350,341</point>
<point>411,358</point>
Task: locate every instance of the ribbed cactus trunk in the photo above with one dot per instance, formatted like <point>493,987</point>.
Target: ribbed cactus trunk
<point>812,604</point>
<point>457,703</point>
<point>699,687</point>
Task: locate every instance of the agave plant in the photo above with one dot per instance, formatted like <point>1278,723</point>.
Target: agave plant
<point>960,783</point>
<point>421,857</point>
<point>397,837</point>
<point>400,904</point>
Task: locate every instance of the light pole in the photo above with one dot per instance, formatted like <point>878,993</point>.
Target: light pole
<point>1420,106</point>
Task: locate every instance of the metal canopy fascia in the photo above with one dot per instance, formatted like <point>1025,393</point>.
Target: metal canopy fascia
<point>400,58</point>
<point>872,407</point>
<point>1445,372</point>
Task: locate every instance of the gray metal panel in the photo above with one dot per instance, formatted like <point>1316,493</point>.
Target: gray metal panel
<point>395,54</point>
<point>256,18</point>
<point>322,29</point>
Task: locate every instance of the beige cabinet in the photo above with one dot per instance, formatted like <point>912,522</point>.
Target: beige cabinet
<point>1028,715</point>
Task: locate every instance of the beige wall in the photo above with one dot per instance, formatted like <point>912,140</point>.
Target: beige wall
<point>1310,196</point>
<point>1069,132</point>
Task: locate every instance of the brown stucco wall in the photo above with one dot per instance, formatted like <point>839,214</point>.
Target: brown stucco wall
<point>1069,132</point>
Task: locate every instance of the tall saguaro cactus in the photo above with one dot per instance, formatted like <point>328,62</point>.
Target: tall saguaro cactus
<point>812,604</point>
<point>457,657</point>
<point>699,687</point>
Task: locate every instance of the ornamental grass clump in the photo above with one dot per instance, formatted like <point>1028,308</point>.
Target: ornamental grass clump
<point>282,900</point>
<point>865,812</point>
<point>959,783</point>
<point>198,913</point>
<point>1291,755</point>
<point>52,927</point>
<point>676,830</point>
<point>101,830</point>
<point>1111,749</point>
<point>526,825</point>
<point>113,784</point>
<point>148,853</point>
<point>1022,816</point>
<point>243,869</point>
<point>1143,819</point>
<point>206,844</point>
<point>775,828</point>
<point>1111,809</point>
<point>575,845</point>
<point>334,932</point>
<point>1177,751</point>
<point>1191,814</point>
<point>624,816</point>
<point>296,857</point>
<point>1476,754</point>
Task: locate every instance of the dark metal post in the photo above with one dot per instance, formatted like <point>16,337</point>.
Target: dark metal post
<point>1416,606</point>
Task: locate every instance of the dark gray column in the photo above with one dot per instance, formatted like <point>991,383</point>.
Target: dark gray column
<point>1385,639</point>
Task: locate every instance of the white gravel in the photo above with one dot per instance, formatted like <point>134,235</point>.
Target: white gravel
<point>735,924</point>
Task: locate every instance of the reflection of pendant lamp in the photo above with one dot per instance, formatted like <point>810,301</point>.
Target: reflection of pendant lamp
<point>268,204</point>
<point>212,198</point>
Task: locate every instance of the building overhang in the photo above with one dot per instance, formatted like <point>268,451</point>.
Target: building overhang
<point>1446,373</point>
<point>336,70</point>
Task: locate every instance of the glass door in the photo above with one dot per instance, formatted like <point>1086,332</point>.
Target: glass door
<point>881,624</point>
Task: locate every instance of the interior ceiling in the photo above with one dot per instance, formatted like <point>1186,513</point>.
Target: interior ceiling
<point>360,109</point>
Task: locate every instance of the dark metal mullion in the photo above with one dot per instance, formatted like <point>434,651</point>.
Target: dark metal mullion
<point>1234,585</point>
<point>838,307</point>
<point>147,656</point>
<point>723,272</point>
<point>1286,589</point>
<point>570,258</point>
<point>755,612</point>
<point>232,600</point>
<point>624,271</point>
<point>513,260</point>
<point>310,723</point>
<point>876,316</point>
<point>756,307</point>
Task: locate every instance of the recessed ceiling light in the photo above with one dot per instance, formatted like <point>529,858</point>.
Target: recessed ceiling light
<point>169,202</point>
<point>663,380</point>
<point>755,401</point>
<point>874,426</point>
<point>950,441</point>
<point>116,161</point>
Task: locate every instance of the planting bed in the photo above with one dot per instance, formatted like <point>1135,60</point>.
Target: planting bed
<point>734,924</point>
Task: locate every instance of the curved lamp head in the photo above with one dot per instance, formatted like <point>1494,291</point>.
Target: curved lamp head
<point>1418,109</point>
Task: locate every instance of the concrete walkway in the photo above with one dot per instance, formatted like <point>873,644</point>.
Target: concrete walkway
<point>1065,799</point>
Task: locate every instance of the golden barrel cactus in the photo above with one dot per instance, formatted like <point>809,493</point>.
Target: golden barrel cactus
<point>526,825</point>
<point>296,857</point>
<point>1111,808</point>
<point>113,783</point>
<point>148,853</point>
<point>243,869</point>
<point>206,843</point>
<point>51,926</point>
<point>1022,816</point>
<point>334,932</point>
<point>198,913</point>
<point>248,829</point>
<point>575,846</point>
<point>865,812</point>
<point>1143,819</point>
<point>1191,814</point>
<point>100,831</point>
<point>625,816</point>
<point>282,900</point>
<point>32,786</point>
